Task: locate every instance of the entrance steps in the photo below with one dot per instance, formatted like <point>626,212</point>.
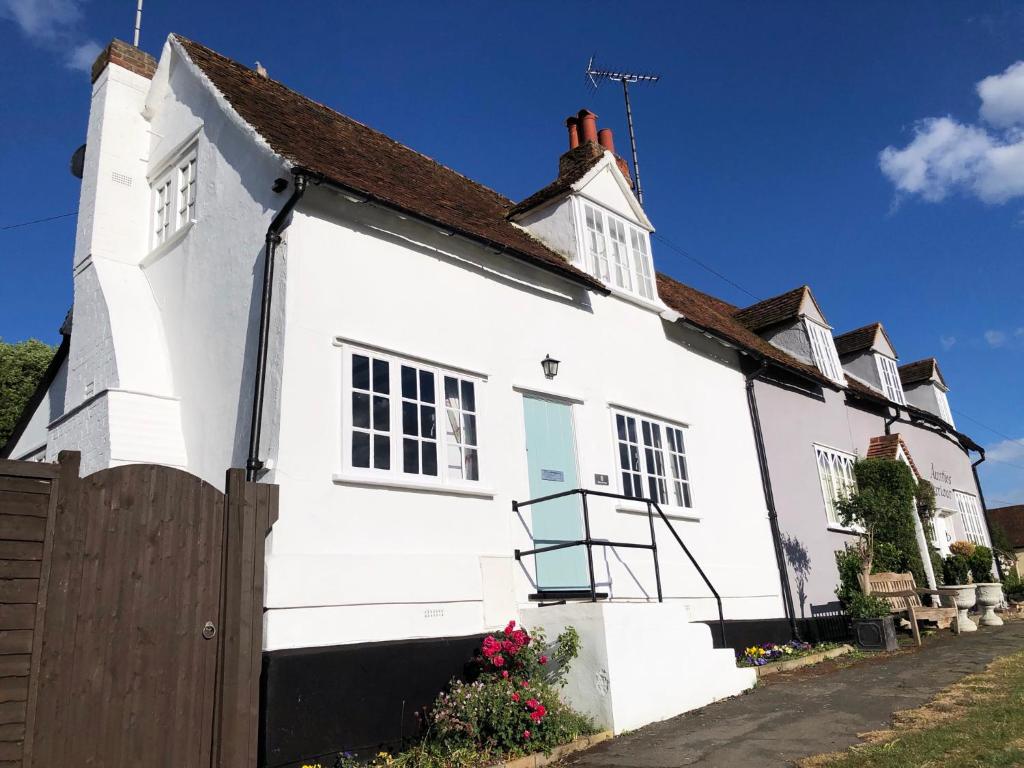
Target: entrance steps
<point>640,662</point>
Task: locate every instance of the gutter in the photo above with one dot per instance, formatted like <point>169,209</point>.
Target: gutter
<point>273,238</point>
<point>769,498</point>
<point>984,508</point>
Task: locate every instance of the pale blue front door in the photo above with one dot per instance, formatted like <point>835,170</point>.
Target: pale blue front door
<point>551,460</point>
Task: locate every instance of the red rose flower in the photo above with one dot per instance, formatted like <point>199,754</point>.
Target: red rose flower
<point>543,659</point>
<point>510,627</point>
<point>504,673</point>
<point>526,734</point>
<point>497,661</point>
<point>515,697</point>
<point>491,646</point>
<point>532,703</point>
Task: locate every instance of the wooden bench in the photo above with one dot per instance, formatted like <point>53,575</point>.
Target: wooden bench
<point>904,597</point>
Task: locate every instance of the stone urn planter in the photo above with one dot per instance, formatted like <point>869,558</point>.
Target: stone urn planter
<point>990,594</point>
<point>966,597</point>
<point>876,634</point>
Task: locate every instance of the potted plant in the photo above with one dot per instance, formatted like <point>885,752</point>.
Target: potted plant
<point>873,625</point>
<point>956,569</point>
<point>990,593</point>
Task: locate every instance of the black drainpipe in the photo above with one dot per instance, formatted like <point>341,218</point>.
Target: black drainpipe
<point>984,507</point>
<point>890,421</point>
<point>769,498</point>
<point>273,239</point>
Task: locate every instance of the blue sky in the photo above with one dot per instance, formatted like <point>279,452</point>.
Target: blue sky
<point>761,149</point>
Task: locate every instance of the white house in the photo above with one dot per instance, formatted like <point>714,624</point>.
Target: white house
<point>399,358</point>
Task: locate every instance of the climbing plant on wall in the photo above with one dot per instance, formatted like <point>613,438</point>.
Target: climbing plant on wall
<point>883,507</point>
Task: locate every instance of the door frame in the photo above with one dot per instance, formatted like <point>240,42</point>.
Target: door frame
<point>572,403</point>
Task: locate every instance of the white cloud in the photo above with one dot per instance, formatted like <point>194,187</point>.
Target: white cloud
<point>1006,450</point>
<point>947,342</point>
<point>948,156</point>
<point>54,25</point>
<point>82,56</point>
<point>995,338</point>
<point>1002,96</point>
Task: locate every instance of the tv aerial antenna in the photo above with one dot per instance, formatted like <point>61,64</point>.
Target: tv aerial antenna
<point>595,76</point>
<point>138,24</point>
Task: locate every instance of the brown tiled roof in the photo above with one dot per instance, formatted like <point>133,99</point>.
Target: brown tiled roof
<point>356,157</point>
<point>920,370</point>
<point>572,167</point>
<point>860,338</point>
<point>1011,520</point>
<point>887,447</point>
<point>718,317</point>
<point>772,311</point>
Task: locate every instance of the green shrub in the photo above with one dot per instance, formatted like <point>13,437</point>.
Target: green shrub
<point>863,606</point>
<point>848,562</point>
<point>955,569</point>
<point>980,563</point>
<point>1013,585</point>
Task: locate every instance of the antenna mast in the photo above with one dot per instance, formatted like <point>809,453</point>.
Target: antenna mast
<point>138,23</point>
<point>595,76</point>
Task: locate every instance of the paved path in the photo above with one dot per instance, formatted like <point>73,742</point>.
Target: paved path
<point>784,721</point>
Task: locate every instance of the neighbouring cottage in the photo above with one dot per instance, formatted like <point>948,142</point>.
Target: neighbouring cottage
<point>261,281</point>
<point>1010,520</point>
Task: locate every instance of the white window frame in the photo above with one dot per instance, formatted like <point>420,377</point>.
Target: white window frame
<point>823,349</point>
<point>664,464</point>
<point>616,251</point>
<point>836,477</point>
<point>173,198</point>
<point>444,437</point>
<point>944,411</point>
<point>970,517</point>
<point>889,376</point>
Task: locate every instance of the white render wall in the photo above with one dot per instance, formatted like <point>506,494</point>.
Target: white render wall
<point>349,562</point>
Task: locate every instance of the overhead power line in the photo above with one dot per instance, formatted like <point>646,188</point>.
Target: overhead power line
<point>990,429</point>
<point>682,252</point>
<point>37,221</point>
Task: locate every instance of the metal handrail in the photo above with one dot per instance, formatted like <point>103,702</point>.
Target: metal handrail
<point>589,543</point>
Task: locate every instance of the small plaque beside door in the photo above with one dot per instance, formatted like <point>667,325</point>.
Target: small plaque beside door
<point>600,479</point>
<point>554,475</point>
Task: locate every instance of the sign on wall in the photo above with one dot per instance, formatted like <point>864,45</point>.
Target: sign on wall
<point>943,483</point>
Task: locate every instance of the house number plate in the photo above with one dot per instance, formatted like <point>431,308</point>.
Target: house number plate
<point>600,479</point>
<point>554,475</point>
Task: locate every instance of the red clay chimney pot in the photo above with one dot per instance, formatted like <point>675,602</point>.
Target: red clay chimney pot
<point>574,131</point>
<point>588,125</point>
<point>604,138</point>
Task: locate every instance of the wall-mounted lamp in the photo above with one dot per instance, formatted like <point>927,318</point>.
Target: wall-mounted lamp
<point>550,366</point>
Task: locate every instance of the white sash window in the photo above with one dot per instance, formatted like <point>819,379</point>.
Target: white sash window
<point>174,198</point>
<point>823,348</point>
<point>652,460</point>
<point>835,472</point>
<point>974,526</point>
<point>890,378</point>
<point>617,253</point>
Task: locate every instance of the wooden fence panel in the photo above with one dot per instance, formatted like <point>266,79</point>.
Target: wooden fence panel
<point>144,645</point>
<point>28,495</point>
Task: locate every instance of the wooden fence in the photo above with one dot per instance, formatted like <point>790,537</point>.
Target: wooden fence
<point>130,616</point>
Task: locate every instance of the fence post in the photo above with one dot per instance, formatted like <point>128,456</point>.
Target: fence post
<point>250,509</point>
<point>590,547</point>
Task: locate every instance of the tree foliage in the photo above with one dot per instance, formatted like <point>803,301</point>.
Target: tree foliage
<point>22,364</point>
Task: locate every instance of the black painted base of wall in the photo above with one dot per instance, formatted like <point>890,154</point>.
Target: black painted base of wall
<point>740,634</point>
<point>361,698</point>
<point>318,702</point>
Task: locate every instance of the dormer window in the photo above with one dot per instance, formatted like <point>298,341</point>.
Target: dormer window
<point>889,375</point>
<point>617,253</point>
<point>823,349</point>
<point>944,413</point>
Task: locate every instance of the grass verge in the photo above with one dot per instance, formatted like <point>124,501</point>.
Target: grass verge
<point>977,723</point>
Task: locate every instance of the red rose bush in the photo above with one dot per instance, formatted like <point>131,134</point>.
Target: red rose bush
<point>511,705</point>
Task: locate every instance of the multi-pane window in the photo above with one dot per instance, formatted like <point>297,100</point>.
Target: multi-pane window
<point>371,412</point>
<point>835,471</point>
<point>408,419</point>
<point>890,378</point>
<point>944,413</point>
<point>823,349</point>
<point>186,191</point>
<point>974,527</point>
<point>174,198</point>
<point>652,460</point>
<point>162,212</point>
<point>617,252</point>
<point>460,411</point>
